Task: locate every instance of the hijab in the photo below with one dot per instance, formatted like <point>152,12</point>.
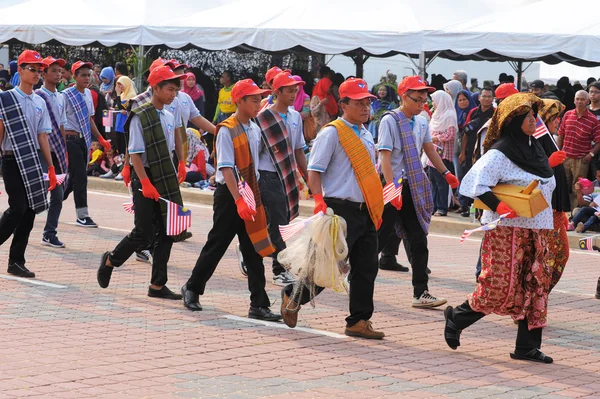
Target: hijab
<point>454,87</point>
<point>444,115</point>
<point>463,113</point>
<point>379,106</point>
<point>301,97</point>
<point>523,150</point>
<point>128,91</point>
<point>194,92</point>
<point>107,73</point>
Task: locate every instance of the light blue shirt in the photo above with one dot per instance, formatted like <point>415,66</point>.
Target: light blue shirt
<point>71,122</point>
<point>293,123</point>
<point>36,114</point>
<point>187,107</point>
<point>225,151</point>
<point>175,109</point>
<point>136,134</point>
<point>329,158</point>
<point>57,105</point>
<point>389,139</point>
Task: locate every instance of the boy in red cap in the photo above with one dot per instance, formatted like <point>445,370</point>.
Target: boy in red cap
<point>24,125</point>
<point>271,98</point>
<point>342,176</point>
<point>236,157</point>
<point>79,130</point>
<point>281,157</point>
<point>55,102</point>
<point>152,140</point>
<point>403,133</point>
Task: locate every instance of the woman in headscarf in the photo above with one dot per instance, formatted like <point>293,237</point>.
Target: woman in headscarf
<point>194,90</point>
<point>302,105</point>
<point>561,203</point>
<point>443,128</point>
<point>464,104</point>
<point>323,105</point>
<point>516,265</point>
<point>384,102</point>
<point>453,87</point>
<point>107,87</point>
<point>125,91</point>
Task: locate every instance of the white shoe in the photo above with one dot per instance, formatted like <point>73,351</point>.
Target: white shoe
<point>426,300</point>
<point>242,264</point>
<point>108,175</point>
<point>143,256</point>
<point>119,177</point>
<point>284,278</point>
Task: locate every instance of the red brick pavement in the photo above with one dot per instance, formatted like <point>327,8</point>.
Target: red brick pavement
<point>76,340</point>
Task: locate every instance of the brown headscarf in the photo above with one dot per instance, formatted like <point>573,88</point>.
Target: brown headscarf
<point>550,110</point>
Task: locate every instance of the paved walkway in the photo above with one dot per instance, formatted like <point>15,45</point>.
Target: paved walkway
<point>65,337</point>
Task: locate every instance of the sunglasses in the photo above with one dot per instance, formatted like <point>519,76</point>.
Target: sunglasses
<point>33,70</point>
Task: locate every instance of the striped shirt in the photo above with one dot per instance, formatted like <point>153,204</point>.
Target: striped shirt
<point>579,133</point>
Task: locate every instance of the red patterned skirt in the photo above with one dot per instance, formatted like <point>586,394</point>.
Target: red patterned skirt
<point>559,248</point>
<point>515,274</point>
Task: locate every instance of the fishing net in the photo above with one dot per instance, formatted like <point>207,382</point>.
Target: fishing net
<point>317,257</point>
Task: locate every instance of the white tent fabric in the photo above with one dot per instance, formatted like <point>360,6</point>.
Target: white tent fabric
<point>532,31</point>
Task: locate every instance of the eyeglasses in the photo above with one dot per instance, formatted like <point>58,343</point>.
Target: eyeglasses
<point>419,101</point>
<point>33,70</point>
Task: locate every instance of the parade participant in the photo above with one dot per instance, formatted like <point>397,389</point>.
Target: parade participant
<point>342,176</point>
<point>561,203</point>
<point>55,103</point>
<point>24,125</point>
<point>225,105</point>
<point>281,157</point>
<point>152,140</point>
<point>79,130</point>
<point>516,265</point>
<point>402,135</point>
<point>237,148</point>
<point>271,98</point>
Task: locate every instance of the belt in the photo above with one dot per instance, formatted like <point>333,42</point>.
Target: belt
<point>73,133</point>
<point>350,204</point>
<point>9,153</point>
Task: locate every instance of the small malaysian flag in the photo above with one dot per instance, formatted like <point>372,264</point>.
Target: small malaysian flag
<point>128,207</point>
<point>485,227</point>
<point>392,190</point>
<point>60,179</point>
<point>540,128</point>
<point>247,194</point>
<point>587,244</point>
<point>179,218</point>
<point>289,230</point>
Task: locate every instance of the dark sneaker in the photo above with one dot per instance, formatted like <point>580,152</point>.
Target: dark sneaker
<point>598,290</point>
<point>143,256</point>
<point>53,242</point>
<point>389,263</point>
<point>163,293</point>
<point>86,222</point>
<point>242,264</point>
<point>284,278</point>
<point>261,313</point>
<point>104,272</point>
<point>18,269</point>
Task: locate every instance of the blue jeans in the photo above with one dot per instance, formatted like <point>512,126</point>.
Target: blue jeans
<point>56,200</point>
<point>586,215</point>
<point>440,187</point>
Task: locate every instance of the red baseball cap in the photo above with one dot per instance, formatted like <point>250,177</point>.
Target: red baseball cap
<point>29,57</point>
<point>51,60</point>
<point>244,88</point>
<point>284,79</point>
<point>81,64</point>
<point>271,73</point>
<point>174,64</point>
<point>505,90</point>
<point>413,83</point>
<point>157,63</point>
<point>355,89</point>
<point>162,73</point>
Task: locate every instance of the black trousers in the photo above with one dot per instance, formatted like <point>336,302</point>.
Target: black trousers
<point>415,242</point>
<point>390,249</point>
<point>274,199</point>
<point>149,228</point>
<point>18,219</point>
<point>77,183</point>
<point>527,339</point>
<point>226,225</point>
<point>362,254</point>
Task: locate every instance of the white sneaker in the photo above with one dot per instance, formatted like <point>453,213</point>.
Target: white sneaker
<point>119,177</point>
<point>108,175</point>
<point>426,300</point>
<point>284,278</point>
<point>143,256</point>
<point>241,263</point>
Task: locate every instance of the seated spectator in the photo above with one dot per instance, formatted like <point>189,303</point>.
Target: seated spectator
<point>198,167</point>
<point>96,159</point>
<point>113,162</point>
<point>588,195</point>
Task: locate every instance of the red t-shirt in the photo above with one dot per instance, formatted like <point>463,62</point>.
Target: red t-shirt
<point>578,133</point>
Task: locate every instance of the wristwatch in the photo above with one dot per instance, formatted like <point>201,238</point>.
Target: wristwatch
<point>446,172</point>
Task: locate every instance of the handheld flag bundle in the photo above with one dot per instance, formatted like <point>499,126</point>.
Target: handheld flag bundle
<point>485,227</point>
<point>393,189</point>
<point>289,230</point>
<point>246,193</point>
<point>179,218</point>
<point>60,179</point>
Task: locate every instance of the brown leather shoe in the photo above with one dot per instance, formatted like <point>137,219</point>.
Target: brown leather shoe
<point>289,310</point>
<point>364,329</point>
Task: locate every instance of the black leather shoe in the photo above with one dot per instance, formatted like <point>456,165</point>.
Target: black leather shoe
<point>191,300</point>
<point>104,272</point>
<point>389,263</point>
<point>598,289</point>
<point>164,293</point>
<point>19,269</point>
<point>263,314</point>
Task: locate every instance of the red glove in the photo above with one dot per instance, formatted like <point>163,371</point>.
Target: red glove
<point>244,210</point>
<point>320,205</point>
<point>397,202</point>
<point>105,144</point>
<point>557,158</point>
<point>503,208</point>
<point>51,178</point>
<point>148,190</point>
<point>181,172</point>
<point>126,174</point>
<point>452,180</point>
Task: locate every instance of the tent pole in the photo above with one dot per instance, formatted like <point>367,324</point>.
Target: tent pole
<point>422,64</point>
<point>140,67</point>
<point>359,60</point>
<point>519,74</point>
